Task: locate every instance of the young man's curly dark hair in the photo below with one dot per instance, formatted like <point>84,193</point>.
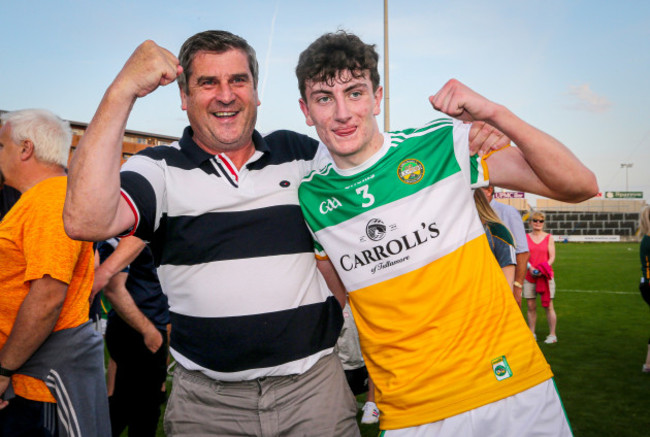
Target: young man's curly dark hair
<point>334,53</point>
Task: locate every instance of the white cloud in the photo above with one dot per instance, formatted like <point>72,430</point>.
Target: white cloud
<point>585,99</point>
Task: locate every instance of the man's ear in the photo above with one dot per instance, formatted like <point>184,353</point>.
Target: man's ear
<point>183,98</point>
<point>26,150</point>
<point>305,110</point>
<point>379,94</point>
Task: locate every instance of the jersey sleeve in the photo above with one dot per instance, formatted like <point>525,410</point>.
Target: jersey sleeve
<point>47,248</point>
<point>143,187</point>
<point>473,167</point>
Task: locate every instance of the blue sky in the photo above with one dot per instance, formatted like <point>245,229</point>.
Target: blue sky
<point>579,70</point>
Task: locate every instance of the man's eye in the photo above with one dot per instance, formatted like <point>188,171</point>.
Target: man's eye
<point>323,99</point>
<point>355,94</point>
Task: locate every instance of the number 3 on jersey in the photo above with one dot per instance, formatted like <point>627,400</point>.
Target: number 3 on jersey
<point>369,199</point>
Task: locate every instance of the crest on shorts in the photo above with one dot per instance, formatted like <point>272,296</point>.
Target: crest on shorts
<point>501,368</point>
<point>410,171</point>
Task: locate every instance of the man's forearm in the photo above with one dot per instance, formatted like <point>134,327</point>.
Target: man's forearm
<point>126,251</point>
<point>125,306</point>
<point>35,321</point>
<point>554,164</point>
<point>520,270</point>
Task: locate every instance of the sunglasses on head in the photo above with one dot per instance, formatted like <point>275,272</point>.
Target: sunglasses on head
<point>538,220</point>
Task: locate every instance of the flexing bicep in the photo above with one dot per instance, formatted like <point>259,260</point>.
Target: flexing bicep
<point>508,168</point>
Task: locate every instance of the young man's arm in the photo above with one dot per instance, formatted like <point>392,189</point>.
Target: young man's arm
<point>94,209</point>
<point>34,323</point>
<point>332,280</point>
<point>539,164</point>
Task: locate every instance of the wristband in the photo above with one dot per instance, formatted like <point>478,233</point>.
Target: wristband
<point>517,284</point>
<point>6,372</point>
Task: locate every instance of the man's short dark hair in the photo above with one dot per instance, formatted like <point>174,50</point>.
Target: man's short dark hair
<point>333,53</point>
<point>213,41</point>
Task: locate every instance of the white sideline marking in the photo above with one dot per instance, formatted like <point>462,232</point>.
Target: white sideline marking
<point>600,291</point>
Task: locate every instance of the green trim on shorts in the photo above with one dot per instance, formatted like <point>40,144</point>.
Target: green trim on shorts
<point>562,405</point>
<point>381,433</point>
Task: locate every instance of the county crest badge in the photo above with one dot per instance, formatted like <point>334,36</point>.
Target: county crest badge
<point>410,171</point>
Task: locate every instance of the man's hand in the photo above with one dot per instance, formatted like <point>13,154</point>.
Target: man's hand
<point>459,101</point>
<point>149,67</point>
<point>4,383</point>
<point>153,339</point>
<point>484,138</point>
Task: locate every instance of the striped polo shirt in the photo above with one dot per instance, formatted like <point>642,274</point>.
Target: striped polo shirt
<point>234,256</point>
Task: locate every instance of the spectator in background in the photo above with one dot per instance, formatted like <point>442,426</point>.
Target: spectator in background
<point>136,334</point>
<point>540,278</point>
<point>498,235</point>
<point>512,219</point>
<point>45,282</point>
<point>644,286</point>
<point>8,196</point>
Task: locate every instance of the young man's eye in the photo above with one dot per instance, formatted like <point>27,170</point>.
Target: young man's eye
<point>355,94</point>
<point>323,99</point>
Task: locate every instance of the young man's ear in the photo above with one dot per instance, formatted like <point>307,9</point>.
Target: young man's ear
<point>305,110</point>
<point>379,94</point>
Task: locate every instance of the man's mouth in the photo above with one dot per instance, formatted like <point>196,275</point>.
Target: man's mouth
<point>224,114</point>
<point>344,132</point>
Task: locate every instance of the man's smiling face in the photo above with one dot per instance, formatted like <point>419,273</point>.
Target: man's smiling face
<point>221,101</point>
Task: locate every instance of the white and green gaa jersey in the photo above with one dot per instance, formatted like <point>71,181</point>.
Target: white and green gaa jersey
<point>440,331</point>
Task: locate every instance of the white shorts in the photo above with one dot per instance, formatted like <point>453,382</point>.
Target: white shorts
<point>529,291</point>
<point>537,411</point>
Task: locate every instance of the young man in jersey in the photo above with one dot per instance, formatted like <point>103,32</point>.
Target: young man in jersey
<point>393,213</point>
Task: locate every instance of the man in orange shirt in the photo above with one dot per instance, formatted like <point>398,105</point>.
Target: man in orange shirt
<point>45,282</point>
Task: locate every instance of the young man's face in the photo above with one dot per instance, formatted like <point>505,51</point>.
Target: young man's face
<point>344,117</point>
<point>222,101</point>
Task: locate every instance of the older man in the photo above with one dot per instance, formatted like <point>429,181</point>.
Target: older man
<point>253,323</point>
<point>50,356</point>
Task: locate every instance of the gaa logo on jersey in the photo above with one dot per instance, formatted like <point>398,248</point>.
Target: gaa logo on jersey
<point>410,171</point>
<point>375,229</point>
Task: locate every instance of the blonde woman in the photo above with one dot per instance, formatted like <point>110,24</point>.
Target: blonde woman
<point>644,286</point>
<point>540,278</point>
<point>501,241</point>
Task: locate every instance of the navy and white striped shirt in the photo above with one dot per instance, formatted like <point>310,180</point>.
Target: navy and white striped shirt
<point>234,256</point>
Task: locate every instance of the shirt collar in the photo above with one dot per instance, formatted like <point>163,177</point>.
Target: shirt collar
<point>197,155</point>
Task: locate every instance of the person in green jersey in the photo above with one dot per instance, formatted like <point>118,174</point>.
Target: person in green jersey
<point>499,237</point>
<point>393,215</point>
